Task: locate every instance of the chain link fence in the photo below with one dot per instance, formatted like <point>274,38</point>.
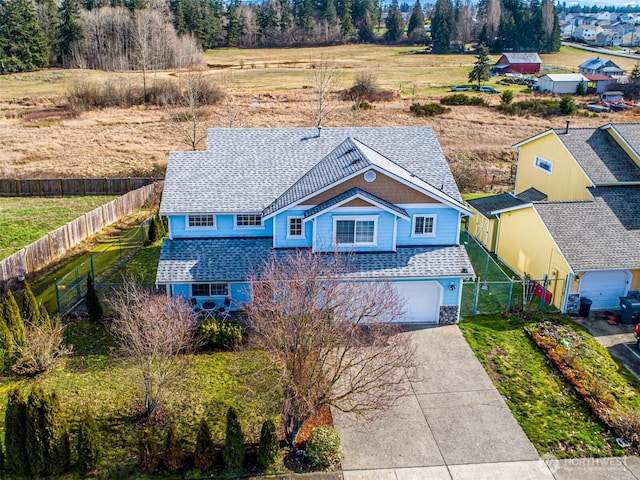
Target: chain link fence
<point>101,266</point>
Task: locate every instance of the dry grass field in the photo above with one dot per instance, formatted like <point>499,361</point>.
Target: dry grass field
<point>269,87</point>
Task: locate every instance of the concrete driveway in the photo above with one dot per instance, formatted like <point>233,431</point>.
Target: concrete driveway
<point>452,425</point>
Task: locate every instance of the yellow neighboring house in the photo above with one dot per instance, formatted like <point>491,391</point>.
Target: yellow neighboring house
<point>574,218</point>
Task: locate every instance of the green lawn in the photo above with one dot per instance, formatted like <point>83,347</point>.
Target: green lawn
<point>92,380</point>
<point>23,220</point>
<point>549,411</point>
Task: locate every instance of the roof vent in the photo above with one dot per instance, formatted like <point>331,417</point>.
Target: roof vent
<point>319,130</point>
<point>568,125</point>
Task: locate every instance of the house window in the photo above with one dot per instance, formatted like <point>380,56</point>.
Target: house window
<point>210,289</point>
<point>295,227</point>
<point>201,221</point>
<point>543,164</point>
<point>248,220</point>
<point>355,230</point>
<point>424,225</point>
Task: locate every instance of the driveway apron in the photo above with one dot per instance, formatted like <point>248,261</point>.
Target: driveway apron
<point>452,417</point>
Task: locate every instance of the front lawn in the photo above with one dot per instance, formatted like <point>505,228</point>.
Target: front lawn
<point>92,380</point>
<point>550,411</point>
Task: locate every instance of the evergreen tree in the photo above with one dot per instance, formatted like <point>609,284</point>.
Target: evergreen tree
<point>329,13</point>
<point>172,450</point>
<point>147,451</point>
<point>15,426</point>
<point>13,319</point>
<point>442,26</point>
<point>416,21</point>
<point>582,88</point>
<point>92,302</point>
<point>346,19</point>
<point>269,446</point>
<point>481,71</point>
<point>234,448</point>
<point>47,438</point>
<point>365,32</point>
<point>89,446</point>
<point>70,28</point>
<point>205,453</point>
<point>30,307</point>
<point>7,347</point>
<point>567,105</point>
<point>394,23</point>
<point>234,24</point>
<point>23,45</point>
<point>49,21</point>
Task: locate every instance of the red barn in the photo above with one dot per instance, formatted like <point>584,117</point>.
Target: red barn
<point>518,63</point>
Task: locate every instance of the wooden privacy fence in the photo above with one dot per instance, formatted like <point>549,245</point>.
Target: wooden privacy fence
<point>67,187</point>
<point>56,243</point>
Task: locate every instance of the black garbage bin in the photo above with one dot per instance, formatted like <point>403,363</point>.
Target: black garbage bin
<point>585,307</point>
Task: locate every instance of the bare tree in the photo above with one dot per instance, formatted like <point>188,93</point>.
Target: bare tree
<point>330,337</point>
<point>189,115</point>
<point>155,333</point>
<point>492,19</point>
<point>465,23</point>
<point>325,78</point>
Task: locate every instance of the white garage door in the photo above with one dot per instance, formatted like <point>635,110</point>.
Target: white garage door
<point>423,300</point>
<point>605,287</point>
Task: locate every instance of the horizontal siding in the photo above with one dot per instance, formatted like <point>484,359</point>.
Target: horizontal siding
<point>447,222</point>
<point>324,230</point>
<point>224,228</point>
<point>282,229</point>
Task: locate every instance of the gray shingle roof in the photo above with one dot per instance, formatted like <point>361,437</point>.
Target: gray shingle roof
<point>532,195</point>
<point>349,194</point>
<point>245,170</point>
<point>599,234</point>
<point>599,155</point>
<point>514,57</point>
<point>487,205</point>
<point>630,132</point>
<point>231,260</point>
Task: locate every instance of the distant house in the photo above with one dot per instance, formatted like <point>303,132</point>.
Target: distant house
<point>600,83</point>
<point>586,33</point>
<point>600,66</point>
<point>518,63</point>
<point>561,83</point>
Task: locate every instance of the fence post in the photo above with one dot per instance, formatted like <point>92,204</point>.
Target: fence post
<point>475,302</point>
<point>510,295</point>
<point>55,282</point>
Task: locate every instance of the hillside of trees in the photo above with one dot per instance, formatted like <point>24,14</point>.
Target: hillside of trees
<point>161,34</point>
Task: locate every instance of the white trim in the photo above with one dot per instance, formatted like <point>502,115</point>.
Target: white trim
<point>188,219</point>
<point>433,228</point>
<point>424,205</point>
<point>395,234</point>
<point>302,227</point>
<point>538,161</point>
<point>427,190</point>
<point>613,127</point>
<point>531,139</point>
<point>355,219</point>
<point>313,238</point>
<point>248,227</point>
<point>510,209</point>
<point>191,294</point>
<point>373,203</point>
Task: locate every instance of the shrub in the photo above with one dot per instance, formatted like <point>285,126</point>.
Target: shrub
<point>567,105</point>
<point>462,99</point>
<point>538,107</point>
<point>43,348</point>
<point>147,451</point>
<point>14,433</point>
<point>506,97</point>
<point>91,300</point>
<point>361,105</point>
<point>47,438</point>
<point>156,229</point>
<point>220,333</point>
<point>428,109</point>
<point>89,446</point>
<point>30,307</point>
<point>234,448</point>
<point>6,347</point>
<point>172,450</point>
<point>269,446</point>
<point>205,453</point>
<point>13,318</point>
<point>324,447</point>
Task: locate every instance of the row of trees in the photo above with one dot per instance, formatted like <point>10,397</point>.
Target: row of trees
<point>516,25</point>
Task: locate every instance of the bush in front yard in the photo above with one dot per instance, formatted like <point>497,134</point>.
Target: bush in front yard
<point>147,451</point>
<point>89,445</point>
<point>220,333</point>
<point>205,453</point>
<point>269,446</point>
<point>234,448</point>
<point>172,450</point>
<point>324,447</point>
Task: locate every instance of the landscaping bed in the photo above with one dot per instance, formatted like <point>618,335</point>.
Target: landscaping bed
<point>552,414</point>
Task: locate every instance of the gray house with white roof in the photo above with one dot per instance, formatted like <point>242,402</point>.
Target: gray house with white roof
<point>384,195</point>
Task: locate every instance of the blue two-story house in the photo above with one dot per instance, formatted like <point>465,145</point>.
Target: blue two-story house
<point>385,195</point>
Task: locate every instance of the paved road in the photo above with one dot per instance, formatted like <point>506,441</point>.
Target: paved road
<point>454,425</point>
<point>603,51</point>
